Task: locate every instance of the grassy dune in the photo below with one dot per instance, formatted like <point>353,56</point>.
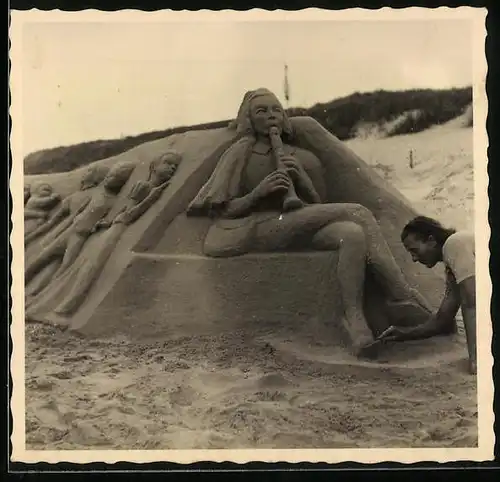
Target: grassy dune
<point>343,117</point>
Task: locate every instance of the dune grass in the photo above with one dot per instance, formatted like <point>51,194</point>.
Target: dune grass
<point>340,116</point>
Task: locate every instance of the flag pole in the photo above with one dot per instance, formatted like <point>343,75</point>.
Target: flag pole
<point>286,87</point>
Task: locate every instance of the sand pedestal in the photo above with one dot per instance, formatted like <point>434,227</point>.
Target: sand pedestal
<point>165,296</point>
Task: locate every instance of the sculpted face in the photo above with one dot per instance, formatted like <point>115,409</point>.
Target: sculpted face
<point>43,190</point>
<point>165,171</point>
<point>117,178</point>
<point>165,167</point>
<point>92,177</point>
<point>266,112</point>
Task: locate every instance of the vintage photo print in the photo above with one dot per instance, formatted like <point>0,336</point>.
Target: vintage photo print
<point>250,236</point>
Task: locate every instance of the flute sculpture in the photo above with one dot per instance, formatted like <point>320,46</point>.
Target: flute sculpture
<point>290,201</point>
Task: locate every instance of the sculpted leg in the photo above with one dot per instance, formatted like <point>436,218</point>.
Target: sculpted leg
<point>380,257</point>
<point>74,246</point>
<point>44,278</point>
<point>53,251</point>
<point>349,240</point>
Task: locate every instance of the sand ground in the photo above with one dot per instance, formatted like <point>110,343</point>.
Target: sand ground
<point>238,391</point>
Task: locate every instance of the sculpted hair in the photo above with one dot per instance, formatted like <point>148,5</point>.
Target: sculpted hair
<point>423,227</point>
<point>243,123</point>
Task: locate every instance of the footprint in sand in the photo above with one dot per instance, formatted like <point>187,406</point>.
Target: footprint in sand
<point>50,415</point>
<point>64,375</point>
<point>183,396</point>
<point>273,380</point>
<point>41,384</point>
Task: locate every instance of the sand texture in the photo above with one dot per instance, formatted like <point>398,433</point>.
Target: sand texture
<point>235,391</point>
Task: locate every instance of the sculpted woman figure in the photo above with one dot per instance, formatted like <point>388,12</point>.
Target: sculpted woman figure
<point>246,195</point>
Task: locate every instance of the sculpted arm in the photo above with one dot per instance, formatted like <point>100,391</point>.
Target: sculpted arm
<point>48,202</point>
<point>34,214</point>
<point>58,216</point>
<point>243,206</point>
<point>240,207</point>
<point>131,215</point>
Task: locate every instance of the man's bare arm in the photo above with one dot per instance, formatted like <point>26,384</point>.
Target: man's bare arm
<point>443,319</point>
<point>467,289</point>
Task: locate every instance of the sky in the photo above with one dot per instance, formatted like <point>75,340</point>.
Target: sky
<point>84,81</point>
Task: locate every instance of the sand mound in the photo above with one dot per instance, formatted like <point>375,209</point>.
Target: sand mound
<point>441,183</point>
<point>379,130</point>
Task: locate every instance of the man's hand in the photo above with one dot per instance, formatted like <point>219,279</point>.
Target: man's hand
<point>395,333</point>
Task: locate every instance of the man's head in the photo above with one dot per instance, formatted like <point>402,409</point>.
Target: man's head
<point>424,238</point>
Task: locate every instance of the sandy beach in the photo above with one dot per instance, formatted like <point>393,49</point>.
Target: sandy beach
<point>238,390</point>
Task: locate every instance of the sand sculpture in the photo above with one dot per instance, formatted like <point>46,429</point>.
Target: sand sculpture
<point>142,196</point>
<point>70,206</point>
<point>264,199</point>
<point>81,275</point>
<point>207,255</point>
<point>27,193</point>
<point>69,244</point>
<point>38,203</point>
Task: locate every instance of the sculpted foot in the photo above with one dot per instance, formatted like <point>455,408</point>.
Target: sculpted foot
<point>368,350</point>
<point>473,367</point>
<point>292,204</point>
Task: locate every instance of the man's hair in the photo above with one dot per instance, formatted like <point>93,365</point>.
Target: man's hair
<point>423,227</point>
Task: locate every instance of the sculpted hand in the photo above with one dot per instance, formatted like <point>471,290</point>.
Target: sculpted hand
<point>139,191</point>
<point>293,167</point>
<point>122,218</point>
<point>274,182</point>
<point>394,333</point>
<point>102,225</point>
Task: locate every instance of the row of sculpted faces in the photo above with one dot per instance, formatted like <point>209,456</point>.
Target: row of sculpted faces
<point>54,246</point>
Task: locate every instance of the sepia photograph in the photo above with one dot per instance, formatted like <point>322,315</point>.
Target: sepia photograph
<point>250,236</point>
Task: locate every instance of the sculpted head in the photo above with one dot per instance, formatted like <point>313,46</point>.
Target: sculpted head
<point>164,167</point>
<point>259,111</point>
<point>93,177</point>
<point>43,190</point>
<point>117,177</point>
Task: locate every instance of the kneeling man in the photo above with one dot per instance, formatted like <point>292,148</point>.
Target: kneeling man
<point>429,243</point>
